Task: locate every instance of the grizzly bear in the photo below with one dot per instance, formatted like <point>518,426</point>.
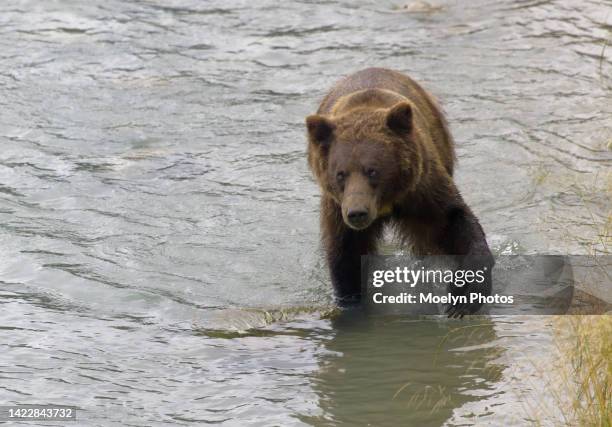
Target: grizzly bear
<point>380,149</point>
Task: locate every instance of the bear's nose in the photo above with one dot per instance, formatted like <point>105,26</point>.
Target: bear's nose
<point>357,216</point>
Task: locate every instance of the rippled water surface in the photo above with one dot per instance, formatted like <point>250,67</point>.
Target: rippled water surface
<point>159,258</point>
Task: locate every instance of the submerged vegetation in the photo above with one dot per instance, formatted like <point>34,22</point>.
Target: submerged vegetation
<point>585,372</point>
<point>583,391</point>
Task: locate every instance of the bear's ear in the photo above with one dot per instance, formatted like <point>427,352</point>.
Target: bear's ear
<point>320,129</point>
<point>399,118</point>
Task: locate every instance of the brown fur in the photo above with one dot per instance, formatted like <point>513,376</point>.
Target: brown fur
<point>381,151</point>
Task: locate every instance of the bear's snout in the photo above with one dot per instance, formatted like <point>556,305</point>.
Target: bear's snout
<point>358,217</point>
<point>358,210</point>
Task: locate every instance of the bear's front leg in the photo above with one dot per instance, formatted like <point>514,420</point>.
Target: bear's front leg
<point>344,248</point>
<point>463,236</point>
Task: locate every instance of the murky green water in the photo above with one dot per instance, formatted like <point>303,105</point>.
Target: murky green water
<point>155,204</point>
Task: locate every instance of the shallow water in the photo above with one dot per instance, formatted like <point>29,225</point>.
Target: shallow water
<point>155,204</point>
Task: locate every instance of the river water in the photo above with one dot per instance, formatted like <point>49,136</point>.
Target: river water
<point>159,253</point>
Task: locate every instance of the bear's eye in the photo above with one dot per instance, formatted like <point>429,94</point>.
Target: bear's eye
<point>341,176</point>
<point>371,173</point>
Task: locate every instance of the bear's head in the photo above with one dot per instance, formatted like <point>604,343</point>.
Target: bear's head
<point>366,159</point>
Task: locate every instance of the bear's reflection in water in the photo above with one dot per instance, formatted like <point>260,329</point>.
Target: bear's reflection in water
<point>394,371</point>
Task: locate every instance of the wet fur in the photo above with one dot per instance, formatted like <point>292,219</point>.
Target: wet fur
<point>425,208</point>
